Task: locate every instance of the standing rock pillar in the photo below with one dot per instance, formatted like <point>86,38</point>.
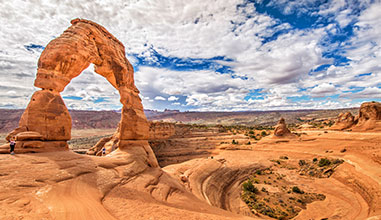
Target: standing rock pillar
<point>44,126</point>
<point>134,127</point>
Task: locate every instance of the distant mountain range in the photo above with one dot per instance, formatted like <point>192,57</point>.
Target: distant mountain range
<point>9,118</point>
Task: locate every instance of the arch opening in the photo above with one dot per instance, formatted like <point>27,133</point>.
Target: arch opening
<point>46,123</point>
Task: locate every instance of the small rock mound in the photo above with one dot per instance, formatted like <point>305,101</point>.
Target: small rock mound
<point>344,121</point>
<point>281,129</point>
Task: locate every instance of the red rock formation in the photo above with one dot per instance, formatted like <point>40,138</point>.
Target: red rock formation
<point>369,117</point>
<point>63,59</point>
<point>157,131</point>
<point>343,121</point>
<point>281,129</point>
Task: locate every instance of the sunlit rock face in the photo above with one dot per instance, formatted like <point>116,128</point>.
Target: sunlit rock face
<point>281,129</point>
<point>63,59</point>
<point>344,121</point>
<point>369,117</point>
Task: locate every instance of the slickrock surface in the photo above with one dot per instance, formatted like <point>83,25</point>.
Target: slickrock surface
<point>65,185</point>
<point>121,185</point>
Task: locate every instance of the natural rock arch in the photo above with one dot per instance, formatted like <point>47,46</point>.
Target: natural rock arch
<point>46,123</point>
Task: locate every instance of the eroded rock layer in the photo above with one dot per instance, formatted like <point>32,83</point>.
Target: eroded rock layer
<point>63,59</point>
<point>281,129</point>
<point>368,119</point>
<point>344,121</point>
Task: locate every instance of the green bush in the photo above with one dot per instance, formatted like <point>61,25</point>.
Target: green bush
<point>255,180</point>
<point>249,187</point>
<point>324,162</point>
<point>302,162</point>
<point>296,189</point>
<point>337,161</point>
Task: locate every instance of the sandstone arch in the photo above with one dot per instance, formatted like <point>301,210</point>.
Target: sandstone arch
<point>46,123</point>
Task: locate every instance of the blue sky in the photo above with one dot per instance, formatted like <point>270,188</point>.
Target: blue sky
<point>208,55</point>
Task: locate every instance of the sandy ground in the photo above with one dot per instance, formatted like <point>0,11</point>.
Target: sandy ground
<point>65,185</point>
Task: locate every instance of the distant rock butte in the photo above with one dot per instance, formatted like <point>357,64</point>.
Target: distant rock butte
<point>281,129</point>
<point>63,59</point>
<point>368,119</point>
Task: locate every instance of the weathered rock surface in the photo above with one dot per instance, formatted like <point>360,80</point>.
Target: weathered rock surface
<point>216,181</point>
<point>28,135</point>
<point>161,130</point>
<point>369,117</point>
<point>281,129</point>
<point>47,114</point>
<point>343,121</point>
<point>157,131</point>
<point>63,59</point>
<point>74,186</point>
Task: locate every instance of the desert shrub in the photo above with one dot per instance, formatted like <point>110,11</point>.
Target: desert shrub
<point>251,132</point>
<point>302,162</point>
<point>337,161</point>
<point>255,180</point>
<point>324,162</point>
<point>315,159</point>
<point>248,143</point>
<point>283,157</point>
<point>264,189</point>
<point>296,189</point>
<point>264,133</point>
<point>254,137</point>
<point>234,142</point>
<point>249,187</point>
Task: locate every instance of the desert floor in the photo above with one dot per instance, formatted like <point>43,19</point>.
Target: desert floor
<point>66,185</point>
